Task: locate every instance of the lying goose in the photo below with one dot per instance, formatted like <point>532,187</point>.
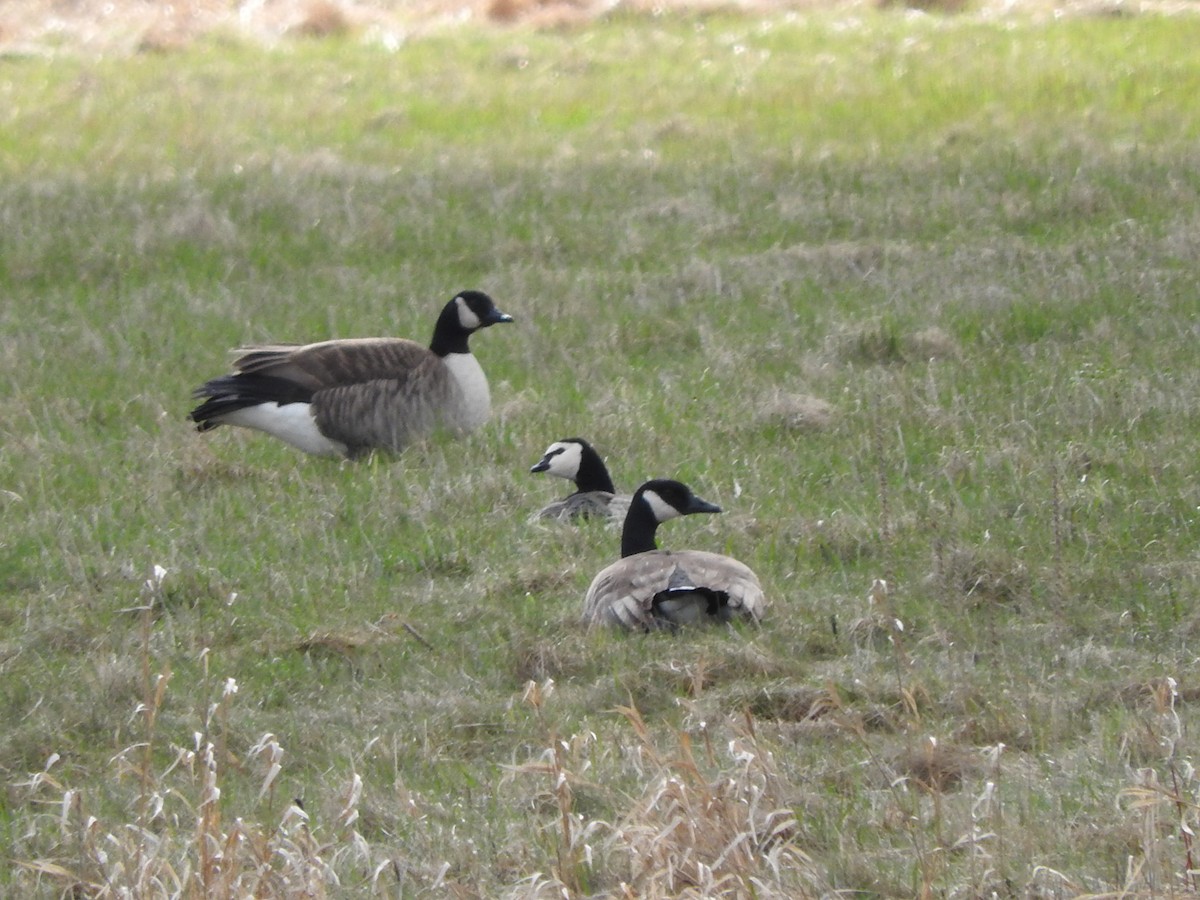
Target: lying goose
<point>651,588</point>
<point>595,497</point>
<point>349,397</point>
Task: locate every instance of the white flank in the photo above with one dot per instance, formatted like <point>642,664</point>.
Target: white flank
<point>661,508</point>
<point>477,397</point>
<point>292,422</point>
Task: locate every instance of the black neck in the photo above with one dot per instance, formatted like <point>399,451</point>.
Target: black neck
<point>448,334</point>
<point>593,474</point>
<point>637,536</point>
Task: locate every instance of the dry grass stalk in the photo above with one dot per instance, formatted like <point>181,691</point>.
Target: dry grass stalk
<point>213,858</point>
<point>554,763</point>
<point>692,835</point>
<point>182,842</point>
<point>1166,809</point>
<point>689,834</point>
<point>883,620</point>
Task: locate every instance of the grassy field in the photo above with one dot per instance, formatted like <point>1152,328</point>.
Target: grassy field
<point>913,299</point>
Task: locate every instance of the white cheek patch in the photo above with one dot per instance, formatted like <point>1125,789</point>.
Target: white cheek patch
<point>565,460</point>
<point>661,508</point>
<point>466,316</point>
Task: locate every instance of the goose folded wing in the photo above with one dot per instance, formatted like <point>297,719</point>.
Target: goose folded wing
<point>727,576</point>
<point>331,364</point>
<point>623,593</point>
<point>615,599</point>
<point>389,412</point>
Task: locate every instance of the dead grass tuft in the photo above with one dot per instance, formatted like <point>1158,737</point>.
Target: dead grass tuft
<point>540,13</point>
<point>706,823</point>
<point>510,10</point>
<point>532,580</point>
<point>1151,692</point>
<point>930,344</point>
<point>541,659</point>
<point>873,343</point>
<point>1164,800</point>
<point>323,19</point>
<point>720,825</point>
<point>691,834</point>
<point>874,630</point>
<point>792,703</point>
<point>840,539</point>
<point>938,767</point>
<point>796,412</point>
<point>160,38</point>
<point>984,577</point>
<point>435,563</point>
<point>183,838</point>
<point>347,644</point>
<point>711,669</point>
<point>202,470</point>
<point>928,6</point>
<point>881,342</point>
<point>140,26</point>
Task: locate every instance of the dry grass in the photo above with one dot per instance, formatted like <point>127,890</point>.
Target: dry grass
<point>721,826</point>
<point>125,26</point>
<point>801,412</point>
<point>185,839</point>
<point>893,339</point>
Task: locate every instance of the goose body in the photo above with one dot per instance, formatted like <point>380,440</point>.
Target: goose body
<point>349,397</point>
<point>648,588</point>
<point>595,497</point>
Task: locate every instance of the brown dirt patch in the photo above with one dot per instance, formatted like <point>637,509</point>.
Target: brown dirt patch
<point>127,26</point>
<point>107,26</point>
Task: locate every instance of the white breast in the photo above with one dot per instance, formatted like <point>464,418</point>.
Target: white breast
<point>476,396</point>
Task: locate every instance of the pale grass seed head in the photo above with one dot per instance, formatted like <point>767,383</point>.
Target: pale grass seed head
<point>185,841</point>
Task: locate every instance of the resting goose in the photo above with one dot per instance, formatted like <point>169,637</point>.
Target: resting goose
<point>650,588</point>
<point>595,497</point>
<point>349,397</point>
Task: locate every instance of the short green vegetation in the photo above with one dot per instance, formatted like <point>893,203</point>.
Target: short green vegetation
<point>913,298</point>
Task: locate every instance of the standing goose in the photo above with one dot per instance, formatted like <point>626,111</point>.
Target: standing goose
<point>349,397</point>
<point>595,497</point>
<point>650,588</point>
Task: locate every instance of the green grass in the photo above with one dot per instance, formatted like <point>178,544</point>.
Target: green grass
<point>911,298</point>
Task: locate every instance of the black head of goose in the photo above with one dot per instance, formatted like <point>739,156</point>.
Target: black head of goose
<point>649,588</point>
<point>349,397</point>
<point>595,497</point>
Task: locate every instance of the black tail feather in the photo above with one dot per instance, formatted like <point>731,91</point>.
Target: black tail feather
<point>230,393</point>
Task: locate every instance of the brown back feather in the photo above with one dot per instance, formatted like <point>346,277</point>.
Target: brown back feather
<point>623,593</point>
<point>337,363</point>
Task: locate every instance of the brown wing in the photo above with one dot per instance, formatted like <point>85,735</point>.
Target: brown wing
<point>391,412</point>
<point>623,593</point>
<point>725,574</point>
<point>331,364</point>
